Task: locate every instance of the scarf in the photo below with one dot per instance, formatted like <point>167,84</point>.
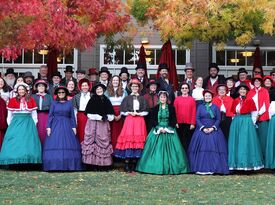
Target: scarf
<point>208,109</point>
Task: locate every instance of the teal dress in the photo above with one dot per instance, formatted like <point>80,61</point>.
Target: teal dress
<point>163,152</point>
<point>270,147</point>
<point>21,143</point>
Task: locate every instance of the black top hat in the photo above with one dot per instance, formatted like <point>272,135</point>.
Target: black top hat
<point>28,74</point>
<point>242,85</point>
<point>81,71</point>
<point>57,73</point>
<point>242,70</point>
<point>214,65</point>
<point>163,66</point>
<point>10,71</point>
<point>98,85</point>
<point>229,78</point>
<point>152,82</point>
<point>104,70</point>
<point>69,68</point>
<point>124,70</point>
<point>141,65</point>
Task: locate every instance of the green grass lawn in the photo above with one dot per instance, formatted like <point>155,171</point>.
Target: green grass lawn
<point>116,187</point>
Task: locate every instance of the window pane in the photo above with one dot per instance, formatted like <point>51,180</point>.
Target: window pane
<point>250,59</point>
<point>181,57</point>
<point>241,58</point>
<point>69,58</point>
<point>230,57</point>
<point>18,60</point>
<point>270,58</point>
<point>118,56</point>
<point>38,58</point>
<point>220,55</point>
<point>28,57</point>
<point>129,56</point>
<point>108,56</point>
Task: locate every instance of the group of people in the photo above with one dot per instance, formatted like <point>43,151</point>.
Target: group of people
<point>208,126</point>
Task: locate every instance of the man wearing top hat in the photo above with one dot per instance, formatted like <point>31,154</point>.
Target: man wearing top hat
<point>68,76</point>
<point>10,77</point>
<point>92,73</point>
<point>243,78</point>
<point>189,76</point>
<point>125,78</point>
<point>212,81</point>
<point>55,82</point>
<point>80,74</point>
<point>140,75</point>
<point>164,83</point>
<point>104,76</point>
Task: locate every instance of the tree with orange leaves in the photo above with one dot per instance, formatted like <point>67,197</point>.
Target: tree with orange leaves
<point>215,21</point>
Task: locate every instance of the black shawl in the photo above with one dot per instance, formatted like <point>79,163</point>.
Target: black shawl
<point>100,105</point>
<point>127,104</point>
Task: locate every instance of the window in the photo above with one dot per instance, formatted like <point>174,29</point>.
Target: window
<point>117,58</point>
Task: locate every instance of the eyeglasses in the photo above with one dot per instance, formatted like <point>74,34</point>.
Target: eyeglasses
<point>184,88</point>
<point>60,92</point>
<point>134,86</point>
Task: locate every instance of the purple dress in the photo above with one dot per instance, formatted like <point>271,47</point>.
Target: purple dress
<point>61,149</point>
<point>208,152</point>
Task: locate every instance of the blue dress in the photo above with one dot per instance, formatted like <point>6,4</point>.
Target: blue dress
<point>61,149</point>
<point>208,152</point>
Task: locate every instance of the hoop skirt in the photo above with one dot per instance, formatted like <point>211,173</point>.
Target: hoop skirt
<point>21,143</point>
<point>163,152</point>
<point>130,142</point>
<point>61,149</point>
<point>244,146</point>
<point>208,151</point>
<point>270,145</point>
<point>96,146</point>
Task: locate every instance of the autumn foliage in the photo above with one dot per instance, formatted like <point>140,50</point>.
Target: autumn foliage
<point>215,21</point>
<point>57,24</point>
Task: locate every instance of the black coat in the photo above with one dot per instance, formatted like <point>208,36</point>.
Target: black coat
<point>221,80</point>
<point>172,116</point>
<point>163,85</point>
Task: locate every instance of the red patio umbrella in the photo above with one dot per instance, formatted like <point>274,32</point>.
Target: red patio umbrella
<point>142,59</point>
<point>257,58</point>
<point>52,62</point>
<point>168,58</point>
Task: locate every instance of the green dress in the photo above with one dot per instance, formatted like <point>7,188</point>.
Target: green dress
<point>163,152</point>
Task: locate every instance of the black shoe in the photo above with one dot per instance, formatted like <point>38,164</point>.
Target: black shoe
<point>127,168</point>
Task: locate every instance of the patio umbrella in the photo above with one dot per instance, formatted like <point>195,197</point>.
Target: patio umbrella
<point>257,58</point>
<point>168,58</point>
<point>142,58</point>
<point>52,62</point>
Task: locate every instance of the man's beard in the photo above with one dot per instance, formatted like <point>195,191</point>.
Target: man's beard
<point>10,82</point>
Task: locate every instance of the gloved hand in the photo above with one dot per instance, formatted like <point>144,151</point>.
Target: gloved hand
<point>104,118</point>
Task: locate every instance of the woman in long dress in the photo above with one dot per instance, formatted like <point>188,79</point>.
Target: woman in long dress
<point>208,148</point>
<point>43,101</point>
<point>61,149</point>
<point>163,152</point>
<point>244,151</point>
<point>270,144</point>
<point>21,143</point>
<point>260,97</point>
<point>116,94</point>
<point>96,147</point>
<point>130,142</point>
<point>80,102</point>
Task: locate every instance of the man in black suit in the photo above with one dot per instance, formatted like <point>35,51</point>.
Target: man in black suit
<point>164,83</point>
<point>214,79</point>
<point>68,76</point>
<point>140,75</point>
